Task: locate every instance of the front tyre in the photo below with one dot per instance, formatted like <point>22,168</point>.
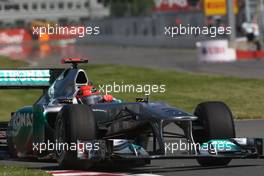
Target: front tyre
<point>74,122</point>
<point>217,122</point>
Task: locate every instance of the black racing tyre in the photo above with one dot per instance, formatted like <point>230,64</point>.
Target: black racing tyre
<point>74,122</point>
<point>217,122</point>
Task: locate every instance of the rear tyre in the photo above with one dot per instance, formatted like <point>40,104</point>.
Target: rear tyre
<point>74,122</point>
<point>217,122</point>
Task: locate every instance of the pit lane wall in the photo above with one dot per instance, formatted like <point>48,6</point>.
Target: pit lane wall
<point>148,30</point>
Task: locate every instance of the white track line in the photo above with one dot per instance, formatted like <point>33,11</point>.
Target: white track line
<point>81,173</point>
<point>86,173</point>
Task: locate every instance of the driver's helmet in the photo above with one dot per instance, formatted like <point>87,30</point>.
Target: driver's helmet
<point>88,94</point>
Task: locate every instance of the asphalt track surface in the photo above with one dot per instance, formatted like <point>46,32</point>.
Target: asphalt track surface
<point>182,60</point>
<point>162,58</point>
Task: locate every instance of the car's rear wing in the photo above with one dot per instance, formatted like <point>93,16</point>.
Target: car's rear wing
<point>28,78</point>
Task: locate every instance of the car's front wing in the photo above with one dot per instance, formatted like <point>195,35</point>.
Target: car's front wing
<point>119,149</point>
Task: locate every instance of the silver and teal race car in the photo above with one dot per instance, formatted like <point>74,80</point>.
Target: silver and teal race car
<point>81,131</point>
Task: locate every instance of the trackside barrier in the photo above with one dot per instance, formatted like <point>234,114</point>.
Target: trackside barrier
<point>218,51</point>
<point>215,51</point>
<point>249,55</point>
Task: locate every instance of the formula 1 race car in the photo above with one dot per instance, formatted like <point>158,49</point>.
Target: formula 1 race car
<point>80,127</point>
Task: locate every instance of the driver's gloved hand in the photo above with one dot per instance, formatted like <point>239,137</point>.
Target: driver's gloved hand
<point>108,98</point>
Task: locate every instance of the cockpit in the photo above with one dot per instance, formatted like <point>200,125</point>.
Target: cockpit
<point>69,85</point>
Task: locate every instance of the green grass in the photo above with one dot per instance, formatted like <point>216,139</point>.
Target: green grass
<point>20,171</point>
<point>13,99</point>
<point>5,62</point>
<point>183,90</point>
